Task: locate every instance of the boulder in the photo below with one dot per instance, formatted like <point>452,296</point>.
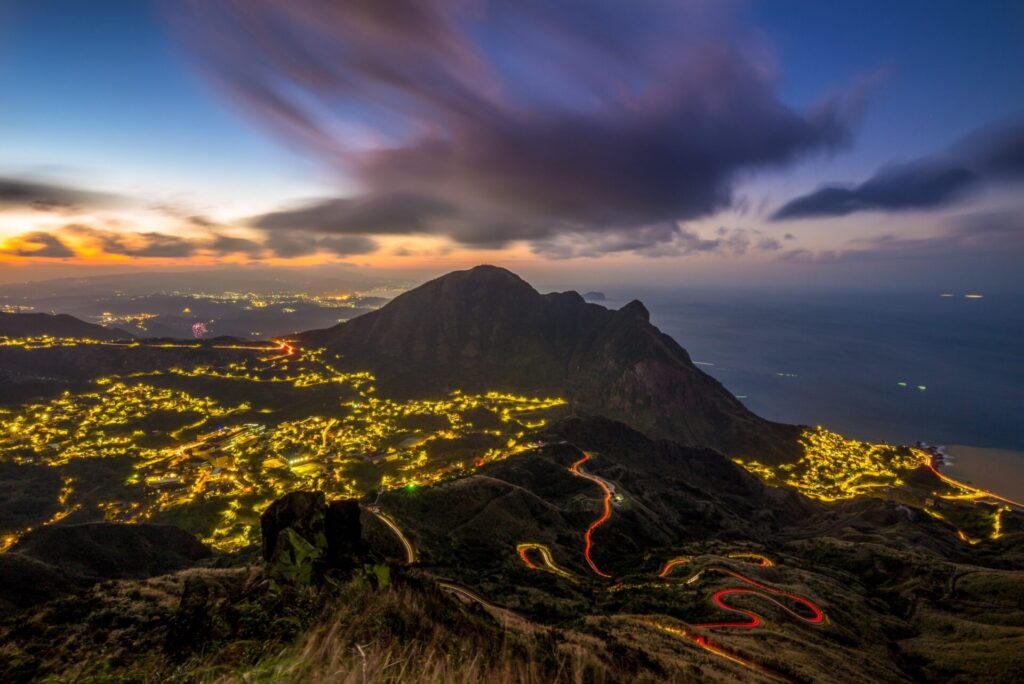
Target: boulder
<point>344,535</point>
<point>304,536</point>
<point>303,512</point>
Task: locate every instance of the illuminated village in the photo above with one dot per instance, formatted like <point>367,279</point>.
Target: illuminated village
<point>212,465</point>
<point>835,468</point>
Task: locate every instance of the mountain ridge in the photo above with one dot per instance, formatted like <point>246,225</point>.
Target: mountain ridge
<point>487,329</point>
<point>55,325</point>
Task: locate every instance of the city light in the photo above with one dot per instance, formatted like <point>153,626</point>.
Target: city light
<point>189,450</point>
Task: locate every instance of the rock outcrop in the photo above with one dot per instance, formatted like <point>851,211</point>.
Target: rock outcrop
<point>305,537</point>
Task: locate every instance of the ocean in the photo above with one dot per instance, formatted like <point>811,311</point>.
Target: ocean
<point>882,367</point>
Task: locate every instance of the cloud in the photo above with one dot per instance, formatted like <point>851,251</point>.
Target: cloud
<point>996,233</point>
<point>36,244</point>
<point>386,213</point>
<point>18,192</point>
<point>287,245</point>
<point>657,240</point>
<point>492,122</point>
<point>993,155</point>
<point>133,244</point>
<point>225,244</point>
<point>72,239</point>
<point>351,245</point>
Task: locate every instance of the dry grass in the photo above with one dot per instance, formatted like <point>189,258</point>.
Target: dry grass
<point>403,635</point>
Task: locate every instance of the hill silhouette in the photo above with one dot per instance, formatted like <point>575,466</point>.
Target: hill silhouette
<point>55,325</point>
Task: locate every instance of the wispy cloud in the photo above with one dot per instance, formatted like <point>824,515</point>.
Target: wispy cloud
<point>660,240</point>
<point>22,192</point>
<point>993,155</point>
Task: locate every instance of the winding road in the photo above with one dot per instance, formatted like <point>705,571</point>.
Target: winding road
<point>606,513</point>
<point>410,551</point>
<point>720,598</point>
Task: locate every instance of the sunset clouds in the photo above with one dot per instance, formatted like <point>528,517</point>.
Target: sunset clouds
<point>657,136</point>
<point>488,123</point>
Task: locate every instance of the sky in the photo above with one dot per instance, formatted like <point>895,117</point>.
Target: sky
<point>813,145</point>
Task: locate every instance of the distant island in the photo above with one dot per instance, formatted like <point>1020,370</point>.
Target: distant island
<point>594,296</point>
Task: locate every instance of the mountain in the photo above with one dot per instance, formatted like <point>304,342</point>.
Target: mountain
<point>487,329</point>
<point>59,325</point>
<point>58,560</point>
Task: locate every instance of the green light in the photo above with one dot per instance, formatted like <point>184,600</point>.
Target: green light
<point>411,487</point>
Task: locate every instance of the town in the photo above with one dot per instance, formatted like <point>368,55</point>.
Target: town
<point>196,458</point>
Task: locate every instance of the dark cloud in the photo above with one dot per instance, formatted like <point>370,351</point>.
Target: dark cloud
<point>38,244</point>
<point>348,245</point>
<point>225,244</point>
<point>380,214</point>
<point>507,120</point>
<point>290,244</point>
<point>990,156</point>
<point>158,245</point>
<point>16,192</point>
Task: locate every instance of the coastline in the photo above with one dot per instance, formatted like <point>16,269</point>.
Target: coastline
<point>997,470</point>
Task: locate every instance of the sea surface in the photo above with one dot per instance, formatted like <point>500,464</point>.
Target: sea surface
<point>883,367</point>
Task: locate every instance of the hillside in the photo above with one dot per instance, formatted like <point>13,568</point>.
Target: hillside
<point>487,329</point>
<point>696,572</point>
<point>55,325</point>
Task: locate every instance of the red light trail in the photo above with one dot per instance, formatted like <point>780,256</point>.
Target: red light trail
<point>754,620</point>
<point>719,598</point>
<point>523,551</point>
<point>762,590</point>
<point>607,512</point>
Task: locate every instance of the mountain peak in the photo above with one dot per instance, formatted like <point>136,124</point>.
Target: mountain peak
<point>637,309</point>
<point>486,276</point>
<point>487,329</point>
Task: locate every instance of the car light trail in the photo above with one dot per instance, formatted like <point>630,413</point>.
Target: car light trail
<point>754,620</point>
<point>548,563</point>
<point>605,514</point>
<point>762,590</point>
<point>755,558</point>
<point>971,491</point>
<point>410,551</point>
<point>702,642</point>
<point>672,564</point>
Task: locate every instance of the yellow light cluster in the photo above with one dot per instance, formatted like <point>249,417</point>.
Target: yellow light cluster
<point>833,467</point>
<point>367,444</point>
<point>94,424</point>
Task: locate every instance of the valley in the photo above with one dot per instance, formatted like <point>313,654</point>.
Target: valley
<point>534,501</point>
